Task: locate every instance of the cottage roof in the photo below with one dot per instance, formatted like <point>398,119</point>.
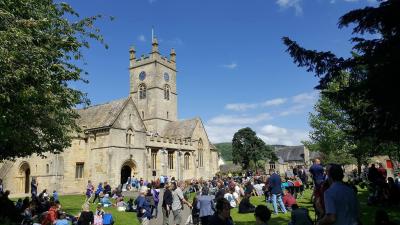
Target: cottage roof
<point>291,153</point>
<point>182,129</point>
<point>102,115</point>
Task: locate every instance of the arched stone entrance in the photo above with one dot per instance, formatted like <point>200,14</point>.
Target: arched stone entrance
<point>25,176</point>
<point>128,169</point>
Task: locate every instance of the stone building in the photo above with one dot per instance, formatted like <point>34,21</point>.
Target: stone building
<point>139,135</point>
<point>290,157</point>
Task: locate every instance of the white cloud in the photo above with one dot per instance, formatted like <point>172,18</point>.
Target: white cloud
<point>218,134</point>
<point>142,38</point>
<point>240,106</point>
<point>239,119</point>
<point>284,4</point>
<point>274,102</point>
<point>305,98</point>
<point>278,135</point>
<point>230,66</point>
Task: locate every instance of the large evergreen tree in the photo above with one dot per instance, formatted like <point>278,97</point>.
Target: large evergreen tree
<point>248,149</point>
<point>373,70</point>
<point>38,45</point>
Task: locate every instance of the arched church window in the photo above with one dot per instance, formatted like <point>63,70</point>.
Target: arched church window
<point>166,92</point>
<point>142,91</point>
<point>186,161</point>
<point>201,152</point>
<point>129,137</point>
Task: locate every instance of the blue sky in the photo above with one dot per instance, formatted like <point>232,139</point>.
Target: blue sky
<point>233,70</point>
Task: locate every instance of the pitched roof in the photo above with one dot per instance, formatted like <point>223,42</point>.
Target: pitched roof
<point>182,129</point>
<point>290,153</point>
<point>102,115</point>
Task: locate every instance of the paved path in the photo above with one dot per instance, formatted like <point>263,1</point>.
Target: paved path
<point>158,220</point>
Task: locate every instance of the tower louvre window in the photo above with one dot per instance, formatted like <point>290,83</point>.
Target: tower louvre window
<point>166,92</point>
<point>142,91</point>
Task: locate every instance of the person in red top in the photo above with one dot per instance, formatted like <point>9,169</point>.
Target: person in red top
<point>51,215</point>
<point>382,171</point>
<point>288,200</point>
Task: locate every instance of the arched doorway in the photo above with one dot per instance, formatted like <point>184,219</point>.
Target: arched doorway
<point>126,172</point>
<point>128,169</point>
<point>25,174</point>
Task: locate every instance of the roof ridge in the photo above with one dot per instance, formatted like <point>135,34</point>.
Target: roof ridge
<point>105,103</point>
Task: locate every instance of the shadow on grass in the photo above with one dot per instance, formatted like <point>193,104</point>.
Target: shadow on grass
<point>276,220</point>
<point>368,211</point>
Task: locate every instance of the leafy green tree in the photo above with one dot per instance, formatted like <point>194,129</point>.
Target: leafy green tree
<point>39,43</point>
<point>248,149</point>
<point>373,70</point>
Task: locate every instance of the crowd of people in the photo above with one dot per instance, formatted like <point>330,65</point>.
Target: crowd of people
<point>211,201</point>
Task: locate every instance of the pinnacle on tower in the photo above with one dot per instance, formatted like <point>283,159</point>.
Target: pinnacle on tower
<point>154,45</point>
<point>132,55</point>
<point>172,55</point>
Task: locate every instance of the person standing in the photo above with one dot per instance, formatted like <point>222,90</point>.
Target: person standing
<point>276,191</point>
<point>166,204</point>
<point>317,172</point>
<point>89,190</point>
<point>341,204</point>
<point>1,186</point>
<point>143,207</point>
<point>34,187</point>
<point>177,202</point>
<point>98,191</point>
<point>205,205</point>
<point>223,214</point>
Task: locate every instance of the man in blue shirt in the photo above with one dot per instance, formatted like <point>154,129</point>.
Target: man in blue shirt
<point>317,172</point>
<point>341,204</point>
<point>276,191</point>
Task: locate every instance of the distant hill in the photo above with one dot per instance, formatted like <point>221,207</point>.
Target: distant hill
<point>226,150</point>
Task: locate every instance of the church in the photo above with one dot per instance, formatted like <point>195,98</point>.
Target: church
<point>139,135</point>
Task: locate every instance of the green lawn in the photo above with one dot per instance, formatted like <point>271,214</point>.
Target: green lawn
<point>73,203</point>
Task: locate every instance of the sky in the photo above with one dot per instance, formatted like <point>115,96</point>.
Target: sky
<point>233,69</point>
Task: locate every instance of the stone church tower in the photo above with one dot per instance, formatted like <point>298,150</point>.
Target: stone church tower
<point>139,135</point>
<point>153,87</point>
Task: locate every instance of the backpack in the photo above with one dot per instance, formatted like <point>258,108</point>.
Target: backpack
<point>98,220</point>
<point>108,219</point>
<point>156,195</point>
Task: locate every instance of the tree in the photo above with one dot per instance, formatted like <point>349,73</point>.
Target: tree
<point>373,70</point>
<point>248,149</point>
<point>38,48</point>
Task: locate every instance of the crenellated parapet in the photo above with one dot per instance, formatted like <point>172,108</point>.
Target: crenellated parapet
<point>153,57</point>
<point>171,142</point>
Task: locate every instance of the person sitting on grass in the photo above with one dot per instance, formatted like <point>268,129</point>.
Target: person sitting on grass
<point>105,201</point>
<point>62,220</point>
<point>288,199</point>
<point>121,205</point>
<point>86,216</point>
<point>300,216</point>
<point>245,206</point>
<point>130,206</point>
<point>262,215</point>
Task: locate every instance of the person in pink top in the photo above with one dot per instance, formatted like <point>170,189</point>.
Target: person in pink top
<point>288,200</point>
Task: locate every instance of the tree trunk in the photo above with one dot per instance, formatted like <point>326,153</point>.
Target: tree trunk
<point>359,164</point>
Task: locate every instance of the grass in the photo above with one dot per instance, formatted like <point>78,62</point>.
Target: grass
<point>72,204</point>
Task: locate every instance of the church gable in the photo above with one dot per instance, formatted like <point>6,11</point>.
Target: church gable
<point>129,118</point>
<point>99,116</point>
<point>199,132</point>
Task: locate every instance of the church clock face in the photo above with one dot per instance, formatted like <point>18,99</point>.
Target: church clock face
<point>166,77</point>
<point>142,75</point>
